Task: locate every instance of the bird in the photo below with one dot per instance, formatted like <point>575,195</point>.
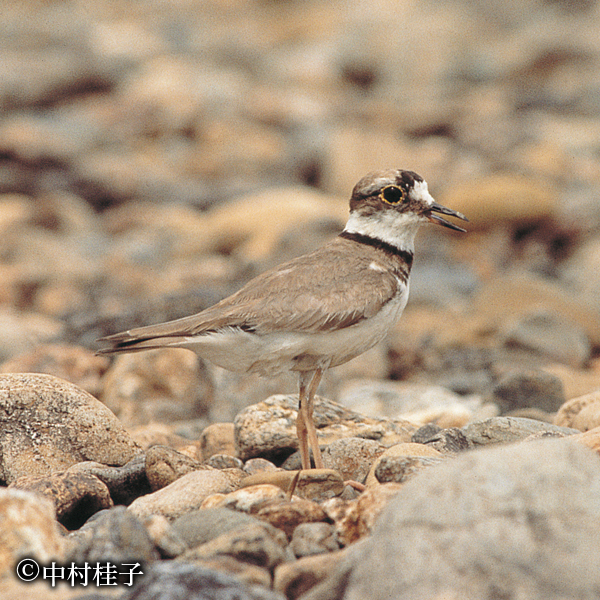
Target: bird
<point>318,310</point>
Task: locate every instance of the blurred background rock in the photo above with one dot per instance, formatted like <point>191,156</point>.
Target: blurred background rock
<point>156,155</point>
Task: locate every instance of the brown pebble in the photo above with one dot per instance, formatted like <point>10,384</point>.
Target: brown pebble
<point>288,515</point>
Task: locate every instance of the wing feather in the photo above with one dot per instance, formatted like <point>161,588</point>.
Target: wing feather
<point>297,296</point>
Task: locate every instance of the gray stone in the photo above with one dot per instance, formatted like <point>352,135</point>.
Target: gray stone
<point>313,538</point>
<point>259,544</point>
<point>114,535</point>
<point>399,469</point>
<point>446,441</point>
<point>224,461</point>
<point>551,335</point>
<point>520,521</point>
<point>170,580</point>
<point>502,430</point>
<point>529,389</point>
<point>203,525</point>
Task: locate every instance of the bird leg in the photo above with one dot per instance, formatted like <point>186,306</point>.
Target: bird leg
<point>305,426</point>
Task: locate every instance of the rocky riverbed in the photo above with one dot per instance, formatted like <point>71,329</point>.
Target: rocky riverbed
<point>155,156</point>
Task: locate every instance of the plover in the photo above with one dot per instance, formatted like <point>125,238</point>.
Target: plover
<point>316,311</point>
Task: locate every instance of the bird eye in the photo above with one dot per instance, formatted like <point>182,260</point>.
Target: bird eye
<point>392,194</point>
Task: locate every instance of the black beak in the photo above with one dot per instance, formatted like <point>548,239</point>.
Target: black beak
<point>438,208</point>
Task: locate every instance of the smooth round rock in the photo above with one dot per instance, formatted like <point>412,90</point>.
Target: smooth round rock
<point>186,494</point>
<point>410,449</point>
<point>517,521</point>
<point>529,389</point>
<point>581,413</point>
<point>47,425</point>
<point>201,526</point>
<point>115,535</point>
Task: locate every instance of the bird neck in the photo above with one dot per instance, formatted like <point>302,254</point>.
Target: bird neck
<point>394,230</point>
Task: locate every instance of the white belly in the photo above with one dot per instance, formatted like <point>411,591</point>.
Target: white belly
<point>273,353</point>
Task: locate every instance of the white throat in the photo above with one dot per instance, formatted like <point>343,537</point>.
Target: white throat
<point>397,229</point>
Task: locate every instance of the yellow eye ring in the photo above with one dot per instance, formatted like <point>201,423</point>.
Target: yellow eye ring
<point>393,194</point>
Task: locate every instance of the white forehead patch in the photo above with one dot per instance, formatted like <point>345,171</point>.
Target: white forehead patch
<point>420,193</point>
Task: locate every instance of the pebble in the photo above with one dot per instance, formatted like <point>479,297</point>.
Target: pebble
<point>589,438</point>
<point>201,526</point>
<point>186,493</point>
<point>258,465</point>
<point>29,529</point>
<point>124,483</point>
<point>180,579</point>
<point>114,535</point>
<point>399,469</point>
<point>166,540</point>
<point>518,295</point>
<point>581,413</point>
<point>502,430</point>
<point>164,465</point>
<point>249,499</point>
<point>417,403</point>
<point>259,544</point>
<point>528,389</point>
<point>268,429</point>
<point>503,197</point>
<point>243,571</point>
<point>576,382</point>
<point>217,438</point>
<point>352,457</point>
<point>224,461</point>
<point>295,578</point>
<point>535,507</point>
<point>260,220</point>
<point>289,515</point>
<point>49,424</point>
<point>313,484</point>
<point>313,538</point>
<point>549,335</point>
<point>447,441</point>
<point>22,331</point>
<point>76,496</point>
<point>354,519</point>
<point>400,462</point>
<point>159,434</point>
